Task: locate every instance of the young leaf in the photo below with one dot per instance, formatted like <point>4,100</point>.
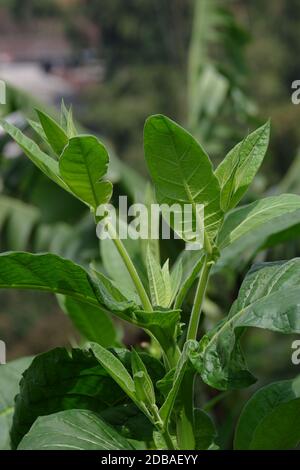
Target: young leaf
<point>249,226</point>
<point>142,381</point>
<point>56,136</point>
<point>66,120</point>
<point>269,298</point>
<point>56,381</point>
<point>45,163</point>
<point>176,278</point>
<point>83,164</point>
<point>270,419</point>
<point>115,369</point>
<point>236,172</point>
<point>10,377</point>
<point>182,172</point>
<point>92,322</point>
<point>165,271</point>
<point>156,281</point>
<point>73,430</point>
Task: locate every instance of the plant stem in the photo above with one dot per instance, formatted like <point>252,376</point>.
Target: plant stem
<point>131,268</point>
<point>199,297</point>
<point>185,424</point>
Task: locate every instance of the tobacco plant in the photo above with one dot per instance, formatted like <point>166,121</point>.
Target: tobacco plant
<point>104,396</point>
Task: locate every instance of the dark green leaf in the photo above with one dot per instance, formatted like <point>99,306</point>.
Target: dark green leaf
<point>205,430</point>
<point>58,381</point>
<point>45,272</point>
<point>270,420</point>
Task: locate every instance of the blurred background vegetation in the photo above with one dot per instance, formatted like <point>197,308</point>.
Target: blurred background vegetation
<point>218,67</point>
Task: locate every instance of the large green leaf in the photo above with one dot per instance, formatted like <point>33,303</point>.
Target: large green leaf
<point>45,272</point>
<point>269,298</point>
<point>236,172</point>
<point>56,136</point>
<point>10,377</point>
<point>182,172</point>
<point>249,226</point>
<point>92,322</point>
<point>45,163</point>
<point>270,420</point>
<point>83,164</point>
<point>58,381</point>
<point>73,430</point>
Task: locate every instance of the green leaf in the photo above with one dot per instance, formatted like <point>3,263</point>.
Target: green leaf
<point>190,274</point>
<point>270,420</point>
<point>56,136</point>
<point>269,298</point>
<point>176,278</point>
<point>156,281</point>
<point>57,381</point>
<point>128,420</point>
<point>37,127</point>
<point>83,164</point>
<point>236,172</point>
<point>73,430</point>
<point>66,120</point>
<point>10,377</point>
<point>249,226</point>
<point>142,381</point>
<point>182,172</point>
<point>166,409</point>
<point>115,369</point>
<point>92,322</point>
<point>45,163</point>
<point>45,272</point>
<point>205,430</point>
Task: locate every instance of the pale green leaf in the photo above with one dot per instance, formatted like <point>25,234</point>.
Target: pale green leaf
<point>73,430</point>
<point>236,172</point>
<point>182,174</point>
<point>83,165</point>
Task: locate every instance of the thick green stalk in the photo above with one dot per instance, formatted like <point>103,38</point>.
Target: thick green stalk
<point>131,268</point>
<point>185,425</point>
